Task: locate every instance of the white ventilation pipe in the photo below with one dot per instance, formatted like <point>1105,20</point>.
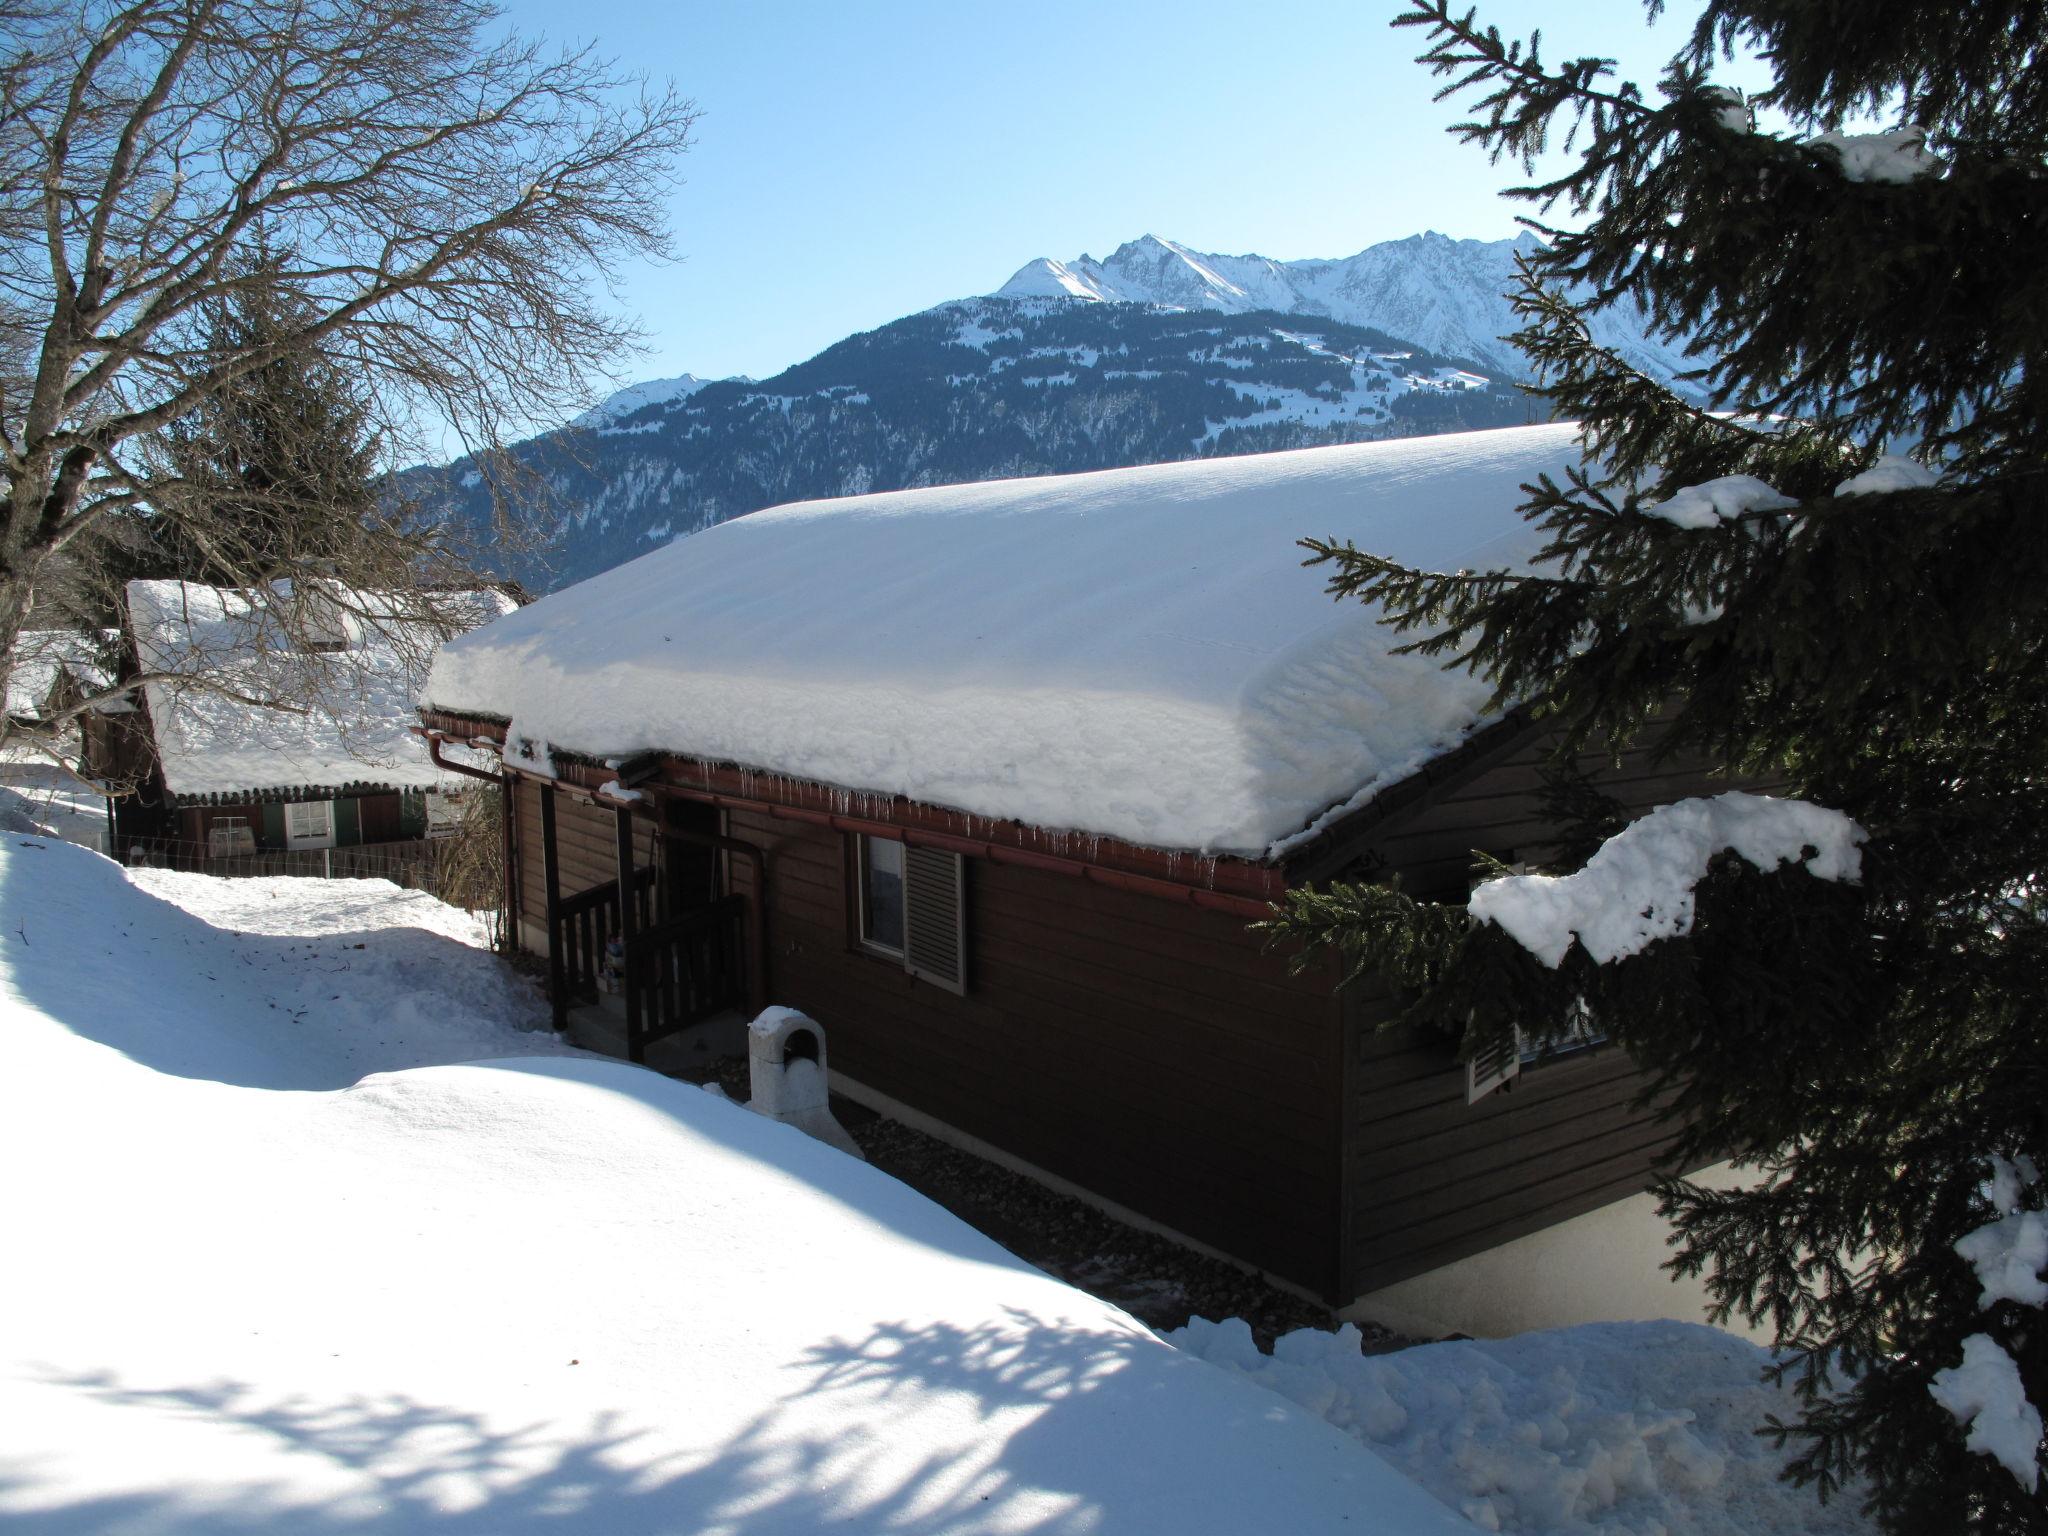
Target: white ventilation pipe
<point>786,1069</point>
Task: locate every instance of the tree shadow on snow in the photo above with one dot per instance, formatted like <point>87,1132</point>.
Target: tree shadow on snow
<point>1073,1455</point>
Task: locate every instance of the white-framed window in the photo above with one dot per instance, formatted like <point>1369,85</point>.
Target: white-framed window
<point>444,814</point>
<point>309,824</point>
<point>912,907</point>
<point>227,835</point>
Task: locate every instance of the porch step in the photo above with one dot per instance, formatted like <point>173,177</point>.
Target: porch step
<point>601,1027</point>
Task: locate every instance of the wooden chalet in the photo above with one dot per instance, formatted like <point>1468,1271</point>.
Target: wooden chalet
<point>278,757</point>
<point>1083,1005</point>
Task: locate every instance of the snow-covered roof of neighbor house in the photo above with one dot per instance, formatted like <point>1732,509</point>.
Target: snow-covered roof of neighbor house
<point>39,656</point>
<point>1136,652</point>
<point>262,715</point>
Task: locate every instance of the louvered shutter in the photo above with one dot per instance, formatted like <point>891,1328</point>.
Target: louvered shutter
<point>1494,1067</point>
<point>935,925</point>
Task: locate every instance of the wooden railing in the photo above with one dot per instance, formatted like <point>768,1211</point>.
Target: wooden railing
<point>681,972</point>
<point>585,922</point>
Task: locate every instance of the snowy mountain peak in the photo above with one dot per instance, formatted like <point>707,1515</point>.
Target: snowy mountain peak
<point>1440,293</point>
<point>637,397</point>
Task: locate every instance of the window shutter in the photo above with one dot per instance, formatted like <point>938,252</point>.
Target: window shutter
<point>934,902</point>
<point>1494,1067</point>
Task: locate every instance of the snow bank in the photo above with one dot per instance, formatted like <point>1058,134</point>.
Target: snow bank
<point>322,719</point>
<point>39,798</point>
<point>535,1293</point>
<point>1638,887</point>
<point>1135,652</point>
<point>1714,502</point>
<point>1611,1427</point>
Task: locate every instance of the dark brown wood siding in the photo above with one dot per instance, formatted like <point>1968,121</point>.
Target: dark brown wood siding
<point>381,818</point>
<point>1149,1052</point>
<point>586,841</point>
<point>1429,1178</point>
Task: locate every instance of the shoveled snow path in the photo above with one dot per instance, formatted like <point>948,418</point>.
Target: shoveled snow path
<point>549,1293</point>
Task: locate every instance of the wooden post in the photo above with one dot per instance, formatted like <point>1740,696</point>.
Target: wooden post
<point>551,878</point>
<point>515,899</point>
<point>628,903</point>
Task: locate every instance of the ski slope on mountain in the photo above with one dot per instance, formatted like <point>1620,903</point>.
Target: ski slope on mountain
<point>252,1289</point>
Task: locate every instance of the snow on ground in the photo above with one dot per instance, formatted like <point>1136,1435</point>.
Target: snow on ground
<point>1136,652</point>
<point>38,796</point>
<point>1622,1428</point>
<point>251,1289</point>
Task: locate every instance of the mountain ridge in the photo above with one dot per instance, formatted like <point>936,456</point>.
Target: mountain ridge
<point>1443,294</point>
<point>1074,376</point>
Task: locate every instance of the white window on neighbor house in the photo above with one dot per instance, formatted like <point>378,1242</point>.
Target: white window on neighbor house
<point>227,835</point>
<point>309,824</point>
<point>912,908</point>
<point>444,814</point>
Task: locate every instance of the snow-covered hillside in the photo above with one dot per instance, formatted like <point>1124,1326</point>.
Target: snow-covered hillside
<point>637,397</point>
<point>1444,295</point>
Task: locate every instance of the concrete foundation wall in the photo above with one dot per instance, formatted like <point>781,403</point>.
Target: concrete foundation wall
<point>1599,1267</point>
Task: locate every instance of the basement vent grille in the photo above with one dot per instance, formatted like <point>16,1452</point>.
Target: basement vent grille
<point>1495,1067</point>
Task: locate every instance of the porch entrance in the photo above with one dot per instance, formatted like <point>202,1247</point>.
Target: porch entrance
<point>663,948</point>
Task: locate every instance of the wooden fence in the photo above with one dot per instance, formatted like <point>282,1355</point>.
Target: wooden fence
<point>413,863</point>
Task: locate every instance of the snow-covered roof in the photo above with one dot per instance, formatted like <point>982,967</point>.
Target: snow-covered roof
<point>1137,653</point>
<point>258,714</point>
<point>39,656</point>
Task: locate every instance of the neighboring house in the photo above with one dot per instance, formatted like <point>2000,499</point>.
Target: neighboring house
<point>265,743</point>
<point>55,670</point>
<point>989,779</point>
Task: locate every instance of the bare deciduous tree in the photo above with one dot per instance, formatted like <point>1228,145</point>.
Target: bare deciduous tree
<point>428,207</point>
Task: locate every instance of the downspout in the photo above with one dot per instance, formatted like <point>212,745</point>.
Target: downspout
<point>503,779</point>
<point>434,740</point>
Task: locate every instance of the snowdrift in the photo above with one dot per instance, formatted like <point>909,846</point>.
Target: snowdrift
<point>255,1290</point>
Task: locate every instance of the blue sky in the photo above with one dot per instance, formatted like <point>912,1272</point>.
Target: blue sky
<point>858,162</point>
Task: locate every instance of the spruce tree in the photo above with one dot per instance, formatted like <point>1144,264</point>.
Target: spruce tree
<point>282,459</point>
<point>1857,252</point>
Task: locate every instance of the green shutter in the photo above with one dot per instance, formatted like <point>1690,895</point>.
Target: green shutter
<point>412,814</point>
<point>348,823</point>
<point>272,832</point>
